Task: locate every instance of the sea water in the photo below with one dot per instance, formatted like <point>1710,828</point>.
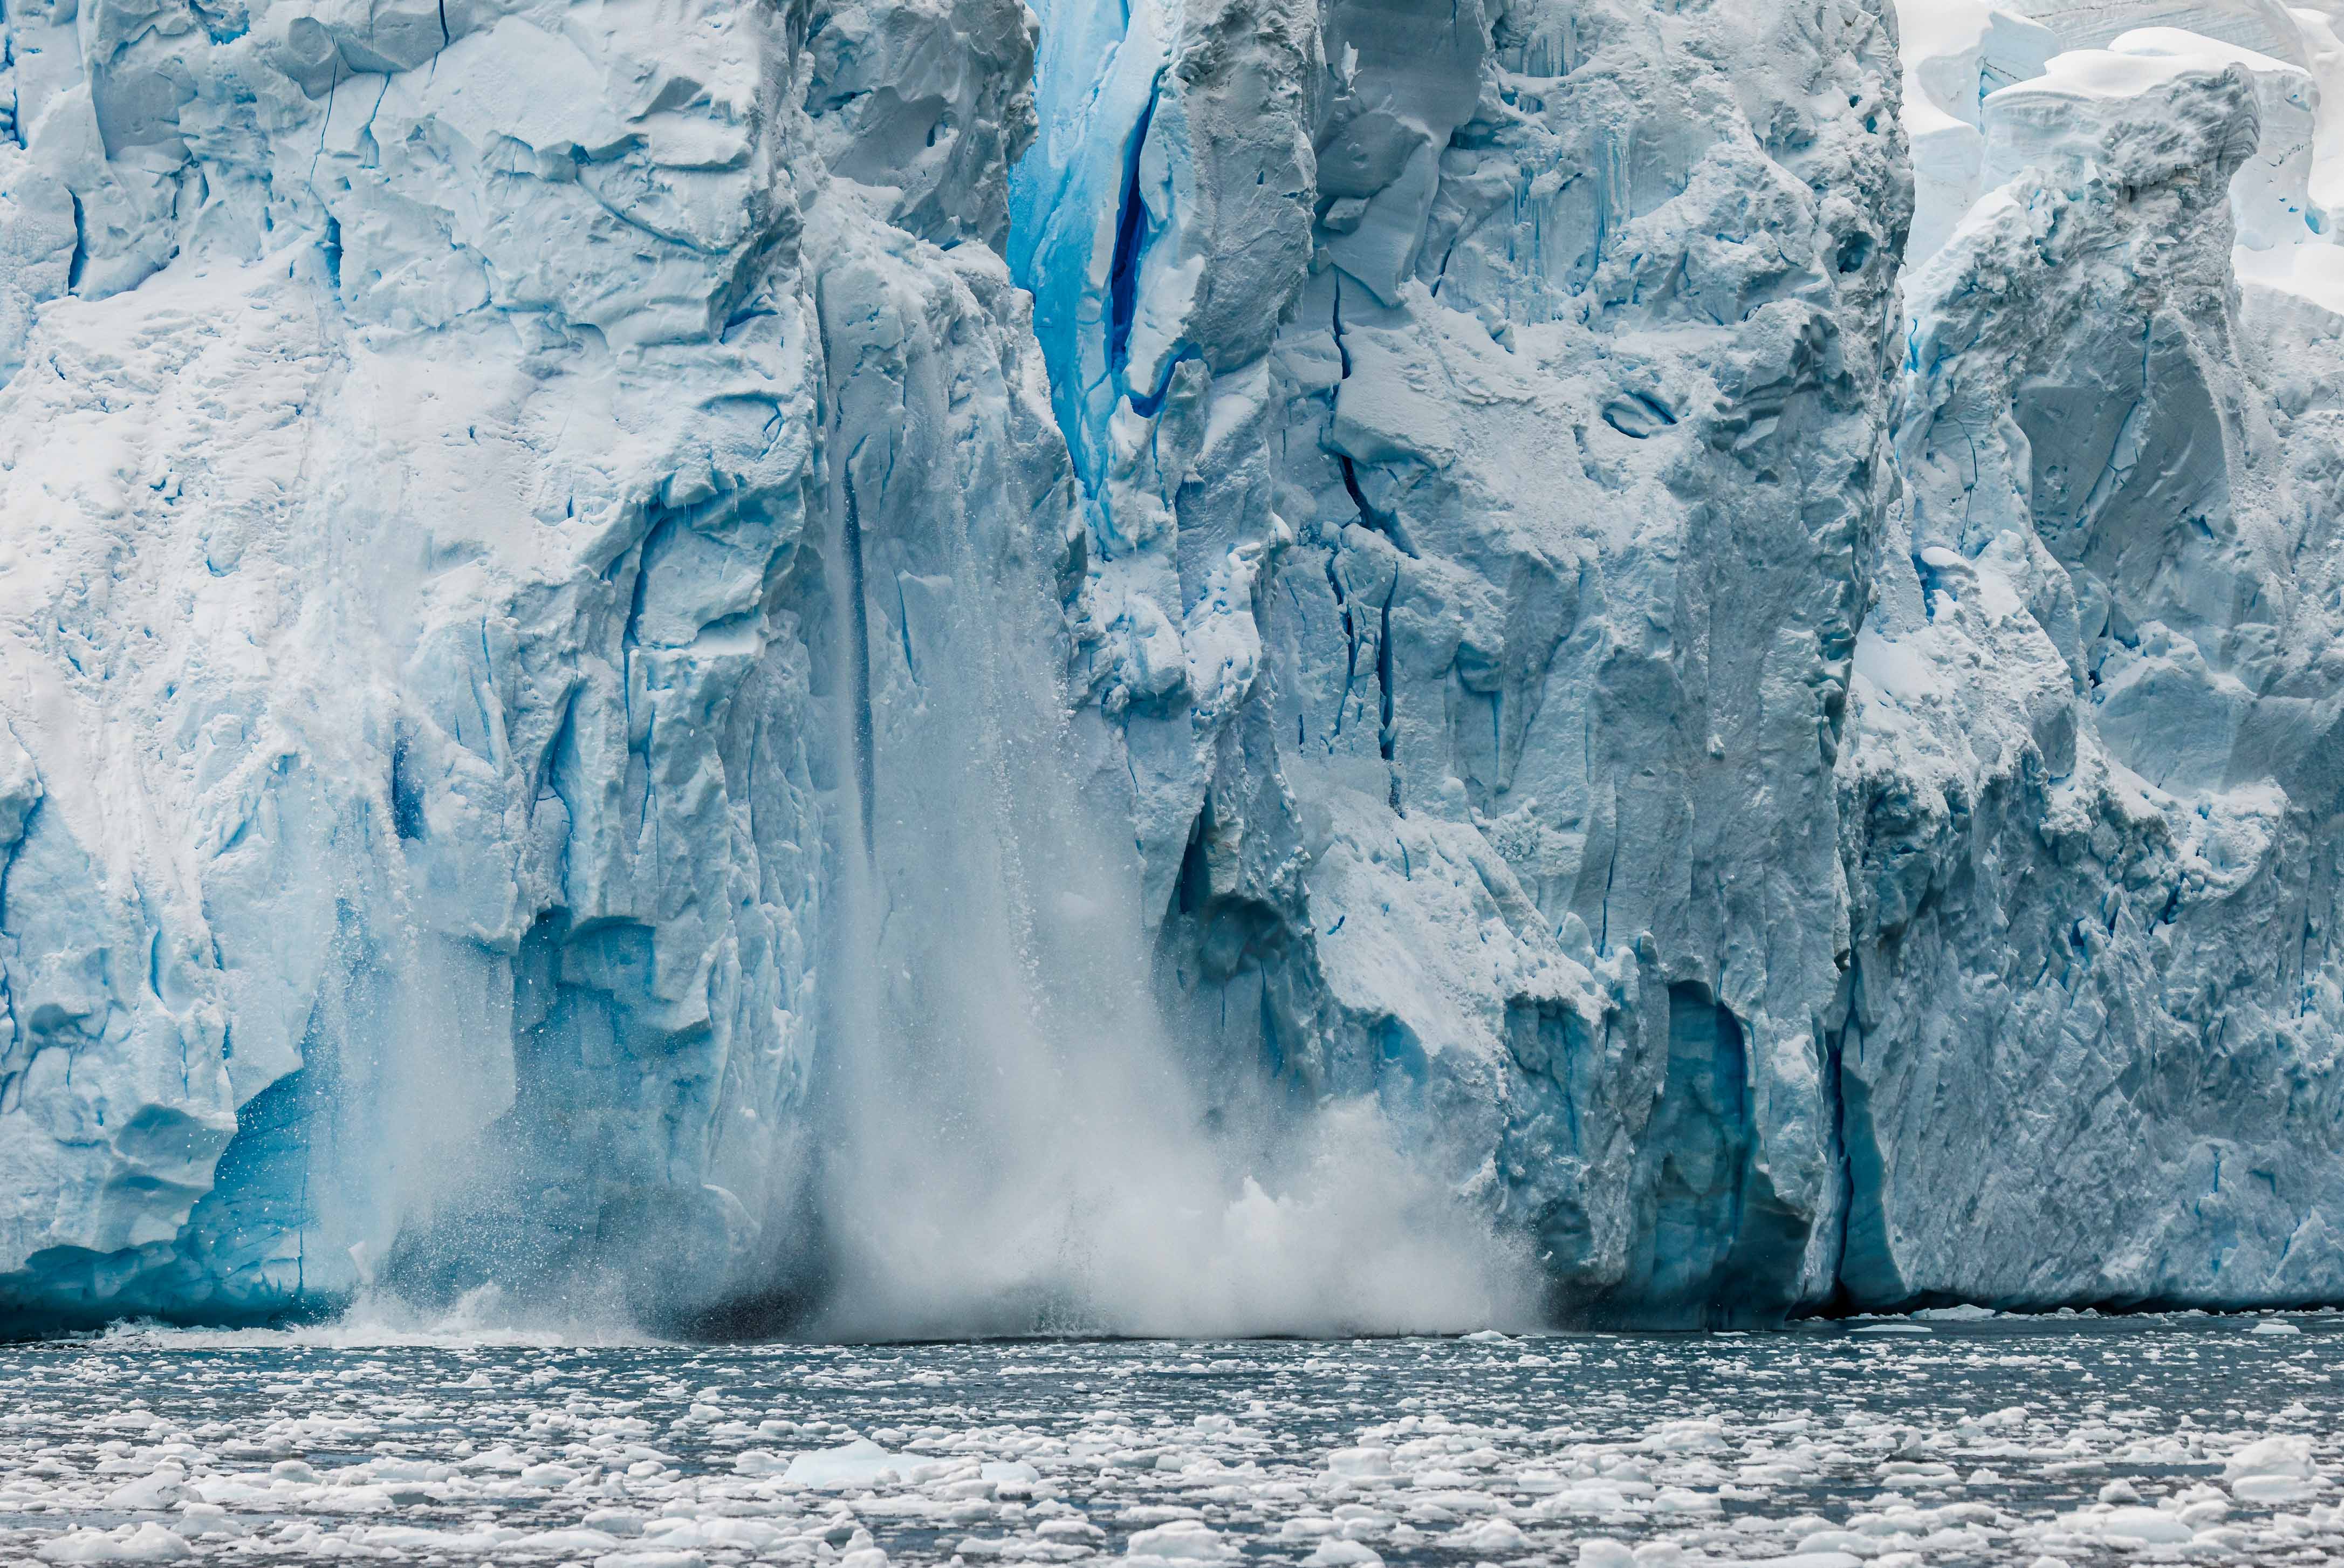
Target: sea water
<point>1896,1442</point>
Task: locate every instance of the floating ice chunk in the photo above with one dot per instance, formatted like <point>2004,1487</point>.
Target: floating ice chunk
<point>1965,1313</point>
<point>149,1543</point>
<point>751,1534</point>
<point>159,1490</point>
<point>1363,1464</point>
<point>858,1464</point>
<point>2136,1526</point>
<point>201,1518</point>
<point>1596,1497</point>
<point>1012,1477</point>
<point>1686,1437</point>
<point>2284,1454</point>
<point>2275,1326</point>
<point>567,1542</point>
<point>650,1559</point>
<point>1182,1541</point>
<point>863,1557</point>
<point>2273,1469</point>
<point>2146,1525</point>
<point>1895,1328</point>
<point>620,1521</point>
<point>1342,1554</point>
<point>1827,1543</point>
<point>406,1538</point>
<point>1490,1535</point>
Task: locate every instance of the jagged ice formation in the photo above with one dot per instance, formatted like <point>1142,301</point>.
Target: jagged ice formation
<point>947,667</point>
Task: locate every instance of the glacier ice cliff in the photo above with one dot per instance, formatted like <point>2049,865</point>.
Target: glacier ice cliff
<point>921,665</point>
<point>1557,398</point>
<point>423,483</point>
<point>2097,711</point>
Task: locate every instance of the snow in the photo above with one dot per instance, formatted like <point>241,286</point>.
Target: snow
<point>1954,53</point>
<point>2315,272</point>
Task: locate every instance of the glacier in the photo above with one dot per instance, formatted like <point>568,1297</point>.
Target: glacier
<point>911,667</point>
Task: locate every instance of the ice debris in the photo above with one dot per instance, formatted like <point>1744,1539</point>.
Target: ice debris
<point>2178,1435</point>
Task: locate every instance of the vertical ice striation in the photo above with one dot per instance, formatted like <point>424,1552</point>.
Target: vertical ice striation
<point>1479,637</point>
<point>2091,1052</point>
<point>1561,836</point>
<point>422,454</point>
<point>916,665</point>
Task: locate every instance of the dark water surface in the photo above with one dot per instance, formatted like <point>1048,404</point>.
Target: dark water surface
<point>2089,1441</point>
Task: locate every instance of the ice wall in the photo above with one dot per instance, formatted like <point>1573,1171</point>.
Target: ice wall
<point>1481,411</point>
<point>429,438</point>
<point>2091,1054</point>
<point>1752,964</point>
<point>914,667</point>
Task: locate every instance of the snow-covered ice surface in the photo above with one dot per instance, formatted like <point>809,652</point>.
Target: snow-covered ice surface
<point>1957,1441</point>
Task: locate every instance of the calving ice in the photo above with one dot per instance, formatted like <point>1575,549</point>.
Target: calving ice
<point>1211,666</point>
